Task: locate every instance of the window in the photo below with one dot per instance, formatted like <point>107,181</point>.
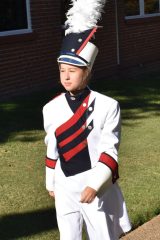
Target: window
<point>152,6</point>
<point>141,8</point>
<point>14,17</point>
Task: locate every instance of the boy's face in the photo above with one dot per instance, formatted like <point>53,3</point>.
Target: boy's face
<point>73,78</point>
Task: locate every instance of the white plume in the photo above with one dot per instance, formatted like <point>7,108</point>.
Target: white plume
<point>83,15</point>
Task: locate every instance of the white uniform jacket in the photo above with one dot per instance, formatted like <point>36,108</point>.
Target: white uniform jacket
<point>83,134</point>
<point>85,139</point>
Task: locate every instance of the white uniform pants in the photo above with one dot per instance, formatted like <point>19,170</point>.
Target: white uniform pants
<point>105,218</point>
<point>98,225</point>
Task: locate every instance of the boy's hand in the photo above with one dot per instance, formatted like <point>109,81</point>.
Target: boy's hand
<point>51,193</point>
<point>88,195</point>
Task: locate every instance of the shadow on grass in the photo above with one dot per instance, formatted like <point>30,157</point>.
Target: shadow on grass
<point>140,94</point>
<point>23,114</point>
<point>136,96</point>
<point>27,224</point>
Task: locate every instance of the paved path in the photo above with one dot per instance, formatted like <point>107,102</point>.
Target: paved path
<point>148,231</point>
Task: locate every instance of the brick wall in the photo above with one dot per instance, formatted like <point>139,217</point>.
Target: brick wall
<point>28,61</point>
<point>139,44</point>
<point>139,40</point>
<point>106,62</point>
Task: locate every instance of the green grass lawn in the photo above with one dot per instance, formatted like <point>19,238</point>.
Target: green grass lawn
<point>26,211</point>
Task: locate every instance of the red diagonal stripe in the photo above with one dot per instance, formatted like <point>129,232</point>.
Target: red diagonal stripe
<point>78,114</point>
<point>86,41</point>
<point>71,138</point>
<point>68,155</point>
<point>50,163</point>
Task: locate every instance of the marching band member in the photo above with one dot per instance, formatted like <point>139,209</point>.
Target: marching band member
<point>82,137</point>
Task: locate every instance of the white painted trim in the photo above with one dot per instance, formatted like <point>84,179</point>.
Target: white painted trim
<point>28,8</point>
<point>21,31</point>
<point>143,16</point>
<point>141,6</point>
<point>15,32</point>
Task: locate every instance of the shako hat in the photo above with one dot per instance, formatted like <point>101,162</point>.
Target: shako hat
<point>77,46</point>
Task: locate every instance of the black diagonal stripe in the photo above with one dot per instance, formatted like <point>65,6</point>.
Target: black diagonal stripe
<point>77,125</point>
<point>77,140</point>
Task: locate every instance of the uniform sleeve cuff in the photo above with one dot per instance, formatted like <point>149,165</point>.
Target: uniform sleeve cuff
<point>100,175</point>
<point>110,163</point>
<point>50,179</point>
<point>50,163</point>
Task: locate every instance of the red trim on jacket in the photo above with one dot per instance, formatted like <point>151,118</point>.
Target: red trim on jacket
<point>78,114</point>
<point>72,137</point>
<point>51,163</point>
<point>111,163</point>
<point>68,155</point>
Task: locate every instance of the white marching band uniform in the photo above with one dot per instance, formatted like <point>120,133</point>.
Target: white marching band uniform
<point>82,147</point>
<point>83,134</point>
